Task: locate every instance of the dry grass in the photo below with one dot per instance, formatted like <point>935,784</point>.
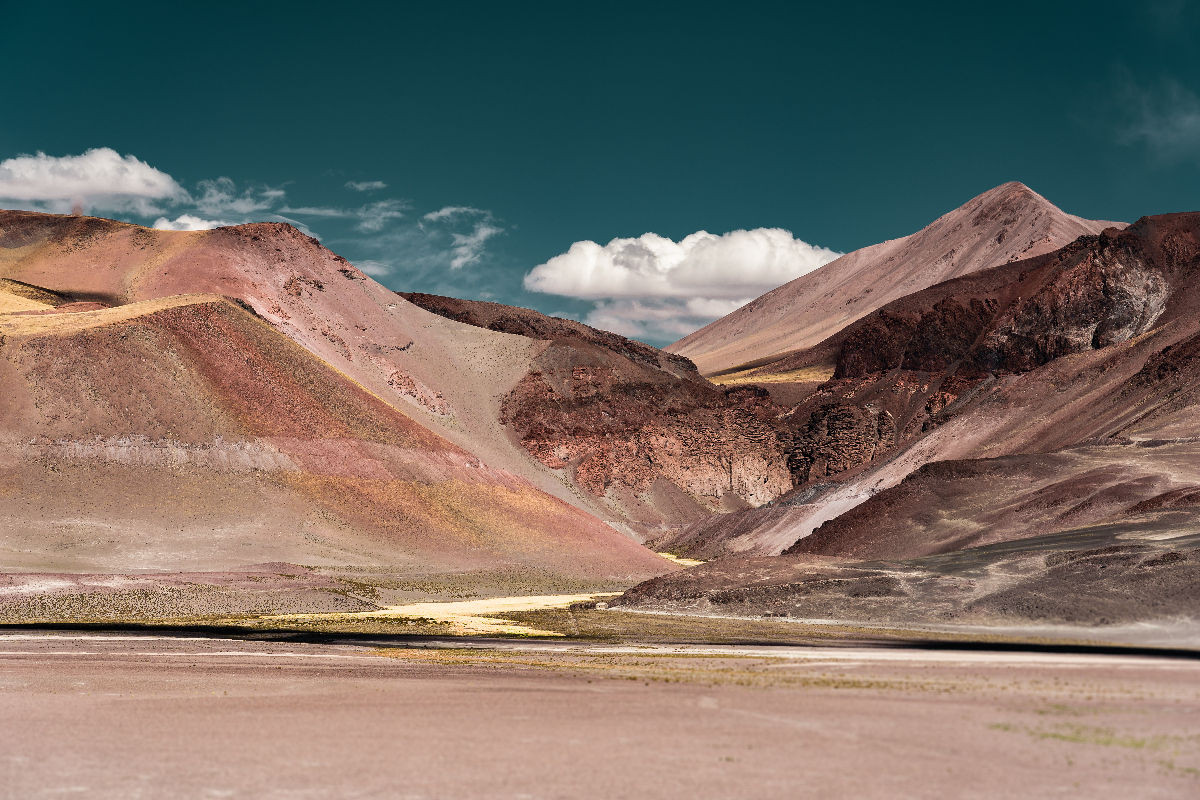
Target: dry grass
<point>680,560</point>
<point>817,374</point>
<point>71,323</point>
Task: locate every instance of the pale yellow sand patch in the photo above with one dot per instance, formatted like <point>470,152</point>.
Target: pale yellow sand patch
<point>684,562</point>
<point>466,617</point>
<point>72,323</point>
<point>10,303</point>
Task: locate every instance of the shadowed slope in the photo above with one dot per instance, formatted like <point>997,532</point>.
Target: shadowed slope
<point>633,427</point>
<point>1093,342</point>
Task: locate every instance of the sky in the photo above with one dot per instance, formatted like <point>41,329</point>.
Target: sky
<point>644,166</point>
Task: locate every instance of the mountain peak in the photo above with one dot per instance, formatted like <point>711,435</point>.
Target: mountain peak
<point>1012,196</point>
<point>1007,223</point>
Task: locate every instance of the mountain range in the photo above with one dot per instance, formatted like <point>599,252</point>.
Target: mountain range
<point>965,423</point>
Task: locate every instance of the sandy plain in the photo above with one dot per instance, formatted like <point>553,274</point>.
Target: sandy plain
<point>111,714</point>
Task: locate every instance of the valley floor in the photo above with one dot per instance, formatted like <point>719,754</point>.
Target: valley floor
<point>144,714</point>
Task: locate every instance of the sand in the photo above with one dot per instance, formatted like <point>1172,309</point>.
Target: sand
<point>135,716</point>
<point>465,617</point>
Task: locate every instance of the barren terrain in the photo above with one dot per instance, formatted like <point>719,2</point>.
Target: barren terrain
<point>124,715</point>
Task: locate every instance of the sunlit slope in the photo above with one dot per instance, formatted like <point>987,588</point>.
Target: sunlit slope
<point>445,375</point>
<point>186,433</point>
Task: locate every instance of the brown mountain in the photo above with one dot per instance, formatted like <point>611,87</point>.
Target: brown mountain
<point>989,364</point>
<point>635,429</point>
<point>214,399</point>
<point>1005,224</point>
<point>995,444</point>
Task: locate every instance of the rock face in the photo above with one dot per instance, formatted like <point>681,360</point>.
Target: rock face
<point>631,426</point>
<point>1005,224</point>
<point>1096,292</point>
<point>920,361</point>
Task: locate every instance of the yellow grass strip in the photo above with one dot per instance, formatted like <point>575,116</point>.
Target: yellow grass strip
<point>680,560</point>
<point>817,374</point>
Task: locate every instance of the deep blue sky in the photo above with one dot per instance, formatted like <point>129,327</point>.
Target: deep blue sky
<point>845,123</point>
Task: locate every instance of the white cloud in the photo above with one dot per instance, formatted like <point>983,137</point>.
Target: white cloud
<point>375,269</point>
<point>365,186</point>
<point>654,288</point>
<point>454,234</point>
<point>295,223</point>
<point>221,196</point>
<point>467,248</point>
<point>316,211</point>
<point>1165,118</point>
<point>661,320</point>
<point>373,216</point>
<point>187,222</point>
<point>100,179</point>
<point>104,180</point>
<point>737,264</point>
<point>448,212</point>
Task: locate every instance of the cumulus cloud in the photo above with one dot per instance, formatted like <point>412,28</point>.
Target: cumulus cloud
<point>655,288</point>
<point>103,180</point>
<point>100,179</point>
<point>736,264</point>
<point>365,186</point>
<point>187,222</point>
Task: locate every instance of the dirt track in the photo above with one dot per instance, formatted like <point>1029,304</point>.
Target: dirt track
<point>148,716</point>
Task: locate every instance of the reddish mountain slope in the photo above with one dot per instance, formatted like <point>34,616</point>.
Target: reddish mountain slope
<point>635,428</point>
<point>447,376</point>
<point>185,432</point>
<point>451,377</point>
<point>1005,224</point>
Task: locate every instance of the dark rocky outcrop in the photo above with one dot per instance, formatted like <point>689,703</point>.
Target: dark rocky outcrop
<point>634,425</point>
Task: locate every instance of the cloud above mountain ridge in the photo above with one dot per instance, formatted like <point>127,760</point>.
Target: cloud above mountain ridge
<point>653,287</point>
<point>101,180</point>
<point>100,177</point>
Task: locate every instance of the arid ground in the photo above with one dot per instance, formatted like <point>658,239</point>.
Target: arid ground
<point>285,714</point>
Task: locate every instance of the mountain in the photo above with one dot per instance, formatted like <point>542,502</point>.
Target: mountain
<point>984,365</point>
<point>1005,224</point>
<point>215,399</point>
<point>1007,442</point>
<point>635,429</point>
